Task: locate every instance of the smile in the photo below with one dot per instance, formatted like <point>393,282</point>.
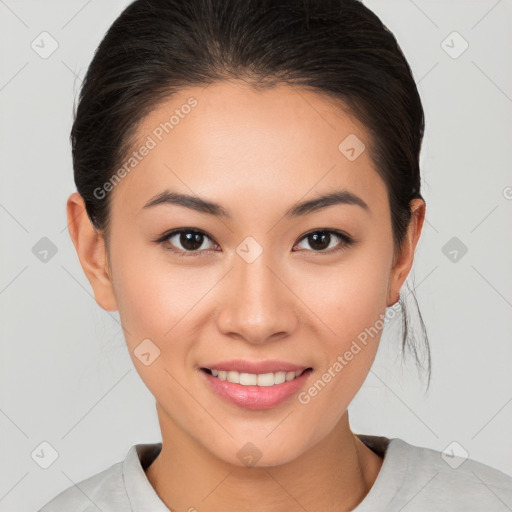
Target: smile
<point>256,391</point>
<point>252,379</point>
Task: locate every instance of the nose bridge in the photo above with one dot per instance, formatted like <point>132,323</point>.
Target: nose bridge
<point>259,303</point>
<point>255,280</point>
<point>257,283</point>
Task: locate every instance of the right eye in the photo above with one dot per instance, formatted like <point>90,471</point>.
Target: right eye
<point>191,240</point>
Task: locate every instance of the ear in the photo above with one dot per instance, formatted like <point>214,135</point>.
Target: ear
<point>90,247</point>
<point>403,261</point>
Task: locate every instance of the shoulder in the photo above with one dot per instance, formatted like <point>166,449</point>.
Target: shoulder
<point>435,480</point>
<point>103,491</point>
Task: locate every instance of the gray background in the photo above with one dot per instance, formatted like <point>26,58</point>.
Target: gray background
<point>66,376</point>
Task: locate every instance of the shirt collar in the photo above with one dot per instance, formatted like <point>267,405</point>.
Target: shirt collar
<point>142,496</point>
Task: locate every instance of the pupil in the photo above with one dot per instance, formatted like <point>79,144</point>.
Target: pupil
<point>320,240</point>
<point>191,241</point>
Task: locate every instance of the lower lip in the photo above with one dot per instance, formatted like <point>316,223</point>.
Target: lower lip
<point>256,397</point>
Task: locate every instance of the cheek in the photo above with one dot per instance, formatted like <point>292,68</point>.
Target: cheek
<point>352,308</point>
<point>157,298</point>
<point>162,302</point>
<point>154,302</point>
<point>350,303</point>
<point>349,297</point>
<point>152,294</point>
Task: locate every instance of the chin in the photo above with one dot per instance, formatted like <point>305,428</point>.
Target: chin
<point>261,452</point>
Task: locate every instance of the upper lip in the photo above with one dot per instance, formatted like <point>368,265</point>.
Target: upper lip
<point>255,367</point>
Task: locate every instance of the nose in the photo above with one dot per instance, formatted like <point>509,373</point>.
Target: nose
<point>258,304</point>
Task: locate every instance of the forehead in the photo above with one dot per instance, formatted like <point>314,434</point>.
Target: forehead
<point>227,139</point>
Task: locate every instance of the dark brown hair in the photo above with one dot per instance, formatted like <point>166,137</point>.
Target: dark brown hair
<point>337,48</point>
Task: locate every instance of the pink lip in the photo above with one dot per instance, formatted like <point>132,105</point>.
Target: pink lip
<point>242,366</point>
<point>255,397</point>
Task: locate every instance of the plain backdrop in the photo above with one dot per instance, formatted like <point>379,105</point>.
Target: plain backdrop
<point>68,386</point>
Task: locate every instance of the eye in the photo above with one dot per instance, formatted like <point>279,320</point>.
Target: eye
<point>322,239</point>
<point>190,240</point>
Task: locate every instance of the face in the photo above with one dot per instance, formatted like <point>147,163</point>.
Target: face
<point>255,279</point>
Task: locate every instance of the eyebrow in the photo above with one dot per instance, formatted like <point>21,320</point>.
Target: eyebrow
<point>299,210</point>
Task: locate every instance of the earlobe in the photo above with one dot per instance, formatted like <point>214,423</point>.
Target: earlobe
<point>90,247</point>
<point>404,260</point>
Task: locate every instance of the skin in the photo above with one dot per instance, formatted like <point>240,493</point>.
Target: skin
<point>256,153</point>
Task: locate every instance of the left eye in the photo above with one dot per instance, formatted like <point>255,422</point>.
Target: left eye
<point>322,239</point>
<point>192,241</point>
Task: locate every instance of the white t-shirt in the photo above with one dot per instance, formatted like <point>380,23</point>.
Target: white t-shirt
<point>411,479</point>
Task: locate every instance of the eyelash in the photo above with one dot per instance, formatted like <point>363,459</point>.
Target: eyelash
<point>346,241</point>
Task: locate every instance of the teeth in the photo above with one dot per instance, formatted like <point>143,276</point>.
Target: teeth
<point>251,379</point>
<point>233,377</point>
<point>292,375</point>
<point>246,379</point>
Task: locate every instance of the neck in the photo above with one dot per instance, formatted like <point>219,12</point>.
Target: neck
<point>336,474</point>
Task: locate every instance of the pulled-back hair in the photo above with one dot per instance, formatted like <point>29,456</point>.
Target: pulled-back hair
<point>337,48</point>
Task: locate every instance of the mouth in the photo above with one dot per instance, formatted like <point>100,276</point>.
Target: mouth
<point>255,391</point>
<point>255,379</point>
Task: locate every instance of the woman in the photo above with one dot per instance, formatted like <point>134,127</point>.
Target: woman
<point>249,174</point>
